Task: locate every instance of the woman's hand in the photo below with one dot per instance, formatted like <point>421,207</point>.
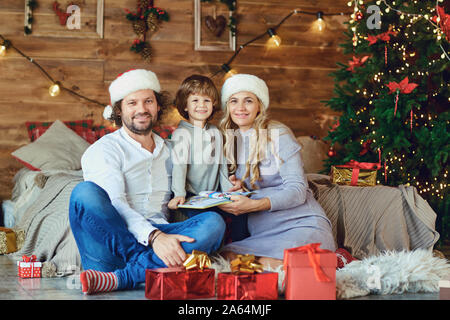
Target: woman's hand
<point>168,248</point>
<point>173,204</point>
<point>237,184</point>
<point>242,204</point>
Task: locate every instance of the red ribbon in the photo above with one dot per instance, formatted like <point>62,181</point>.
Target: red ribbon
<point>312,250</point>
<point>29,259</point>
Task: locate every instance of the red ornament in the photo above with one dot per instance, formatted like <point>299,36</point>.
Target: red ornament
<point>356,62</point>
<point>359,16</point>
<point>331,152</point>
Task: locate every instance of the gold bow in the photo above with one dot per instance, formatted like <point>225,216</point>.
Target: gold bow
<point>197,259</point>
<point>245,263</point>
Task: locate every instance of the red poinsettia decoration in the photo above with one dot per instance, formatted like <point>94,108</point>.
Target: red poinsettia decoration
<point>444,21</point>
<point>385,36</point>
<point>403,86</point>
<point>356,62</point>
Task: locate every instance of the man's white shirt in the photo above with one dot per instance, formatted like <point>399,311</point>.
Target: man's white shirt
<point>137,181</point>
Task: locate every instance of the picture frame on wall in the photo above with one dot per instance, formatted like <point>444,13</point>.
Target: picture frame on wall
<point>79,19</point>
<point>211,25</point>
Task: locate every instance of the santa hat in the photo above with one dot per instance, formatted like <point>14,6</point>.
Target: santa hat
<point>245,82</point>
<point>129,82</point>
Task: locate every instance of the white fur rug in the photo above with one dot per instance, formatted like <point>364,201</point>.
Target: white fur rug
<point>388,273</point>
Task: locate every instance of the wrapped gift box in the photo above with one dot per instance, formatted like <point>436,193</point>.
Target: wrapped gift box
<point>444,289</point>
<point>310,273</point>
<point>355,173</point>
<point>29,267</point>
<point>179,283</point>
<point>8,240</point>
<point>245,286</point>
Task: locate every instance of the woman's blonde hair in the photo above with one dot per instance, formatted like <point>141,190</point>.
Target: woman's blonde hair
<point>259,141</point>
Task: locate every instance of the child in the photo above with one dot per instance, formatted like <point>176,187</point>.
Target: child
<point>197,154</point>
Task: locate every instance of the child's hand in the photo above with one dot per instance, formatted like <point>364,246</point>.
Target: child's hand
<point>237,184</point>
<point>173,204</point>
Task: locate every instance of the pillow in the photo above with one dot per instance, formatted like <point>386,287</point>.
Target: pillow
<point>164,132</point>
<point>58,148</point>
<point>100,131</point>
<point>313,152</point>
<point>81,127</point>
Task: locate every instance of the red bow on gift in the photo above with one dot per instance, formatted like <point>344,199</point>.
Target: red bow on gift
<point>356,166</point>
<point>312,249</point>
<point>403,86</point>
<point>29,259</point>
<point>356,62</point>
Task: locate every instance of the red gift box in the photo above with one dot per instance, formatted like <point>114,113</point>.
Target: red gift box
<point>244,286</point>
<point>310,273</point>
<point>179,283</point>
<point>29,267</point>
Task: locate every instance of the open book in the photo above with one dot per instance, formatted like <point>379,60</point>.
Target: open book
<point>208,199</point>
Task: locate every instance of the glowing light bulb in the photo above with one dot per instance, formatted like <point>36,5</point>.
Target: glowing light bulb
<point>54,90</point>
<point>2,50</point>
<point>319,23</point>
<point>274,39</point>
<point>228,71</point>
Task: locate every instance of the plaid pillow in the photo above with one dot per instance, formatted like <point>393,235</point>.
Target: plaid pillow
<point>81,127</point>
<point>100,131</point>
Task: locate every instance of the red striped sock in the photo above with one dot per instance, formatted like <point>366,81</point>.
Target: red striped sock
<point>96,281</point>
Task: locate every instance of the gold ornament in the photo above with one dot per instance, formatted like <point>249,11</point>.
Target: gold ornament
<point>146,53</point>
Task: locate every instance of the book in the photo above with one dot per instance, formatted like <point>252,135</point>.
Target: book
<point>208,199</point>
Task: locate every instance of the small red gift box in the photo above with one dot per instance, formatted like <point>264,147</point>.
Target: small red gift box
<point>29,267</point>
<point>179,283</point>
<point>244,286</point>
<point>310,273</point>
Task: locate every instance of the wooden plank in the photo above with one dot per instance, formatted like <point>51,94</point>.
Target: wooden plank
<point>18,68</point>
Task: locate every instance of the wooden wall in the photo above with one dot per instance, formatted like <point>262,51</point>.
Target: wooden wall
<point>296,73</point>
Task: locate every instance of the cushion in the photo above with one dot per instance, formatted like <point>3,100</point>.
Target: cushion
<point>58,148</point>
<point>164,132</point>
<point>81,127</point>
<point>314,151</point>
<point>100,131</point>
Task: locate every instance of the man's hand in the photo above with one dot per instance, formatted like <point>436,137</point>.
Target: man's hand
<point>168,248</point>
<point>237,184</point>
<point>173,204</point>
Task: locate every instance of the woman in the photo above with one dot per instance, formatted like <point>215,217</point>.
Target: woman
<point>264,154</point>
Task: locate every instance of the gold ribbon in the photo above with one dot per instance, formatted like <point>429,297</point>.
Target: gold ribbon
<point>197,259</point>
<point>246,264</point>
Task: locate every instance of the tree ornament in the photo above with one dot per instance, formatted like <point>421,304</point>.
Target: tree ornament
<point>356,62</point>
<point>331,152</point>
<point>359,16</point>
<point>403,86</point>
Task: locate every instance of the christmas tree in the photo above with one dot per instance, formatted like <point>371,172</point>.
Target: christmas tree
<point>393,97</point>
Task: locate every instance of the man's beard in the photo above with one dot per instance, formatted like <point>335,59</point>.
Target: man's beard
<point>140,131</point>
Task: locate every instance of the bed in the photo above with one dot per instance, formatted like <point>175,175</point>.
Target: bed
<point>365,220</point>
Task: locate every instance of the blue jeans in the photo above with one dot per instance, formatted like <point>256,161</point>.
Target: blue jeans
<point>105,244</point>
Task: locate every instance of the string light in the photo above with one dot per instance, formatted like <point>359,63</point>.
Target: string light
<point>228,71</point>
<point>274,38</point>
<point>54,89</point>
<point>320,23</point>
<point>2,50</point>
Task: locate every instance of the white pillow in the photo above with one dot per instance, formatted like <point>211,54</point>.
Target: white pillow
<point>58,148</point>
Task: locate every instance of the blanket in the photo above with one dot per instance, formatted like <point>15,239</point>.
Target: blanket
<point>365,220</point>
<point>368,221</point>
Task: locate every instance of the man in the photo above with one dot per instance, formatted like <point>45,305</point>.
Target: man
<point>119,214</point>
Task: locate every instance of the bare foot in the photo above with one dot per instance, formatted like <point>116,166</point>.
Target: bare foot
<point>228,255</point>
<point>270,262</point>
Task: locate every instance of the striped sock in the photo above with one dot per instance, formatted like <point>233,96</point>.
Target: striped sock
<point>96,281</point>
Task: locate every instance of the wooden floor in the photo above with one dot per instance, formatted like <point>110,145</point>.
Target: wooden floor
<point>68,288</point>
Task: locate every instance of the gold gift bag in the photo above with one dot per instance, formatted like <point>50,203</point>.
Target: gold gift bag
<point>8,242</point>
<point>355,173</point>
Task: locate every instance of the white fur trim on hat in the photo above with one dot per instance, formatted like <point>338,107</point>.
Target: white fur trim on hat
<point>107,112</point>
<point>132,81</point>
<point>245,82</point>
